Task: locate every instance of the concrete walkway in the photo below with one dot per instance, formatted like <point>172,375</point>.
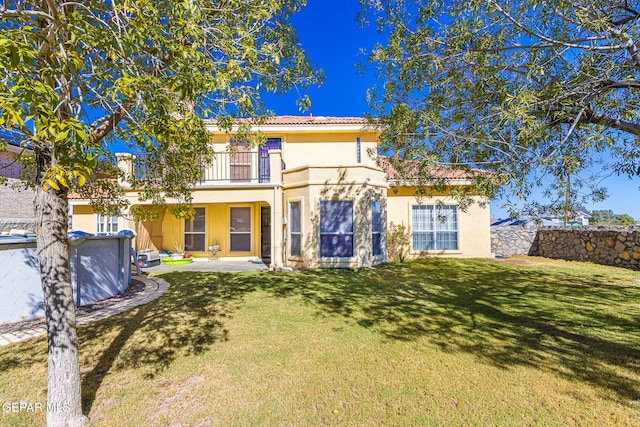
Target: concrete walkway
<point>221,265</point>
<point>154,287</point>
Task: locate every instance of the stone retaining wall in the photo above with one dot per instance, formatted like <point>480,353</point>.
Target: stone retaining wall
<point>618,246</point>
<point>513,240</point>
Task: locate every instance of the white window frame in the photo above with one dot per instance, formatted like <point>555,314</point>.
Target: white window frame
<point>326,233</point>
<point>107,224</point>
<point>379,233</point>
<point>434,226</point>
<point>193,233</point>
<point>298,233</point>
<point>250,232</point>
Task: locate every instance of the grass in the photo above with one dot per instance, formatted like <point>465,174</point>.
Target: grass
<point>523,341</point>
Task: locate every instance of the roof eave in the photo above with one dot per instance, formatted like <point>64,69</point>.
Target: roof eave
<point>296,128</point>
<point>417,183</point>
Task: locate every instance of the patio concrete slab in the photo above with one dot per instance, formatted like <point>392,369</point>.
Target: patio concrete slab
<point>222,265</point>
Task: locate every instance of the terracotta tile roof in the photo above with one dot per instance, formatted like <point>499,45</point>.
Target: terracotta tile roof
<point>412,171</point>
<point>316,120</point>
<point>309,121</point>
<point>96,196</point>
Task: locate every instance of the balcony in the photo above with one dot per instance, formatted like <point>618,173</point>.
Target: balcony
<point>241,167</point>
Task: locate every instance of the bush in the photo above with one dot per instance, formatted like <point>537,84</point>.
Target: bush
<point>398,241</point>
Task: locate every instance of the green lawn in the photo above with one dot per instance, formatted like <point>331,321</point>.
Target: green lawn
<point>524,341</point>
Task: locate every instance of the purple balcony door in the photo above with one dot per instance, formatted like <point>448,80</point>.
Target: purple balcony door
<point>263,160</point>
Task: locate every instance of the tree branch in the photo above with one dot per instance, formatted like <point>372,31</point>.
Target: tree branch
<point>14,13</point>
<point>590,116</point>
<point>553,41</point>
<point>107,124</point>
<point>634,15</point>
<point>625,126</point>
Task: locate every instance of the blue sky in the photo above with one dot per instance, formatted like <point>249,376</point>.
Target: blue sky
<point>329,33</point>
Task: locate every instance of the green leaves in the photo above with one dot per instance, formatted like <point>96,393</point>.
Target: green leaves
<point>139,75</point>
<point>514,87</point>
<point>79,80</point>
<point>62,178</point>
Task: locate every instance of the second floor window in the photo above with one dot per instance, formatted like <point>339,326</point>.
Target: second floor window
<point>240,163</point>
<point>264,168</point>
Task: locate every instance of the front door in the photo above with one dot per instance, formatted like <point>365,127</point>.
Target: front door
<point>265,234</point>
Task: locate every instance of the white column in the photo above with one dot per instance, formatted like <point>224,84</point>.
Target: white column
<point>125,164</point>
<point>275,167</point>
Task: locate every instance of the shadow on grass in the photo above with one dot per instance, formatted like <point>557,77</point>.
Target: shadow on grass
<point>582,327</point>
<point>186,320</point>
<point>579,326</point>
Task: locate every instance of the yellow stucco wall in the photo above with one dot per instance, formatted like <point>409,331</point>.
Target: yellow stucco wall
<point>331,148</point>
<point>217,220</point>
<point>84,219</point>
<point>474,240</point>
<point>237,193</point>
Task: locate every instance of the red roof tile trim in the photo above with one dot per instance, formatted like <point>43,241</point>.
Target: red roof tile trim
<point>412,174</point>
<point>308,121</point>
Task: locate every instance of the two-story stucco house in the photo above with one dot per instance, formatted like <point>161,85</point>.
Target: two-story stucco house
<point>312,196</point>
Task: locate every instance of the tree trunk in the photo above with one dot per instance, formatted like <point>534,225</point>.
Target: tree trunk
<point>567,199</point>
<point>64,403</point>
